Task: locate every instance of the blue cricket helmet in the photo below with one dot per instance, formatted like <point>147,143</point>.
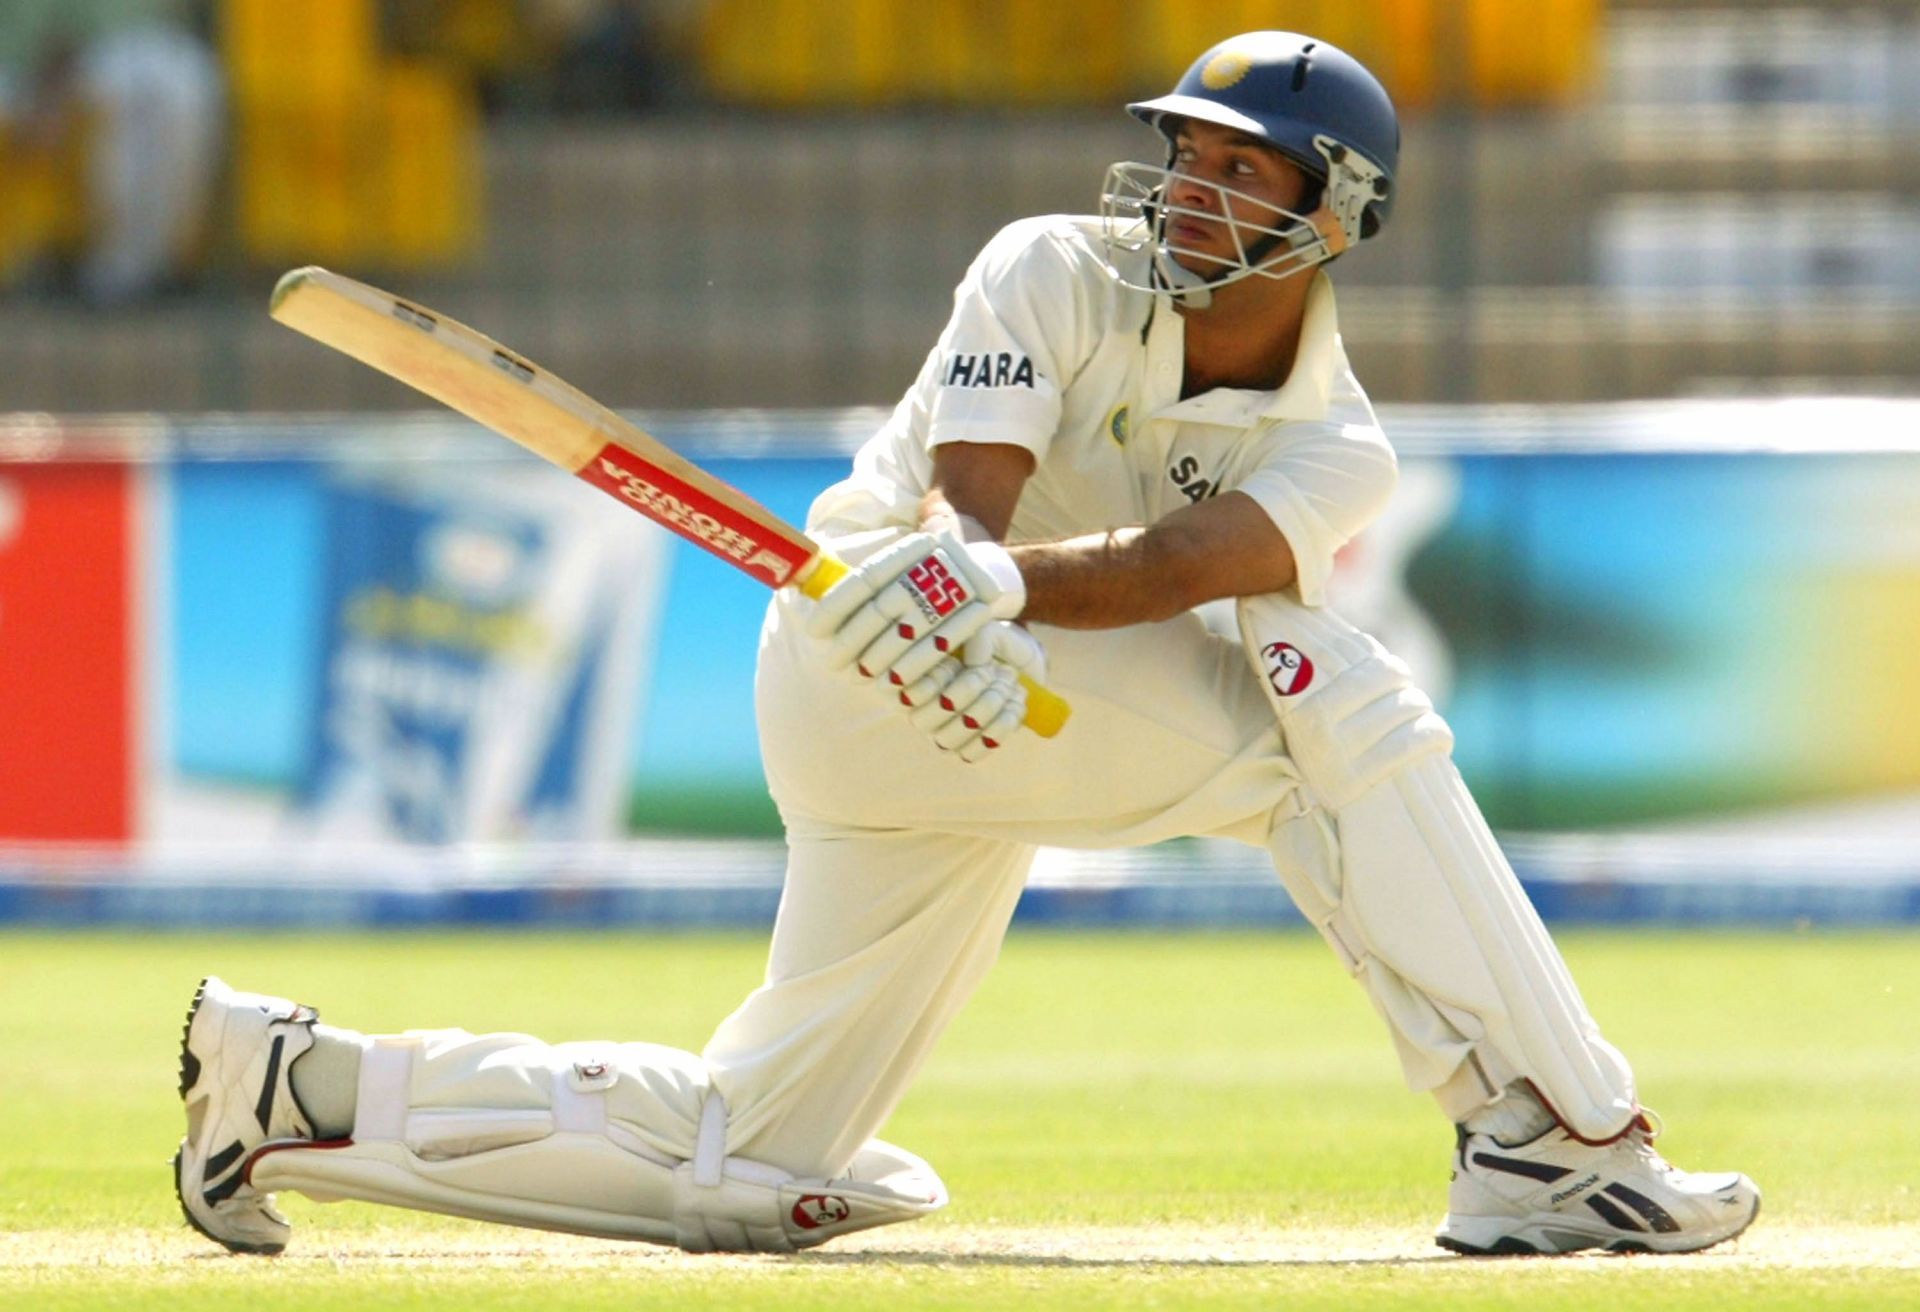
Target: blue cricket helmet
<point>1308,99</point>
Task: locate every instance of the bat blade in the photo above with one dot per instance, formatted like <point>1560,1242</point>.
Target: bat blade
<point>471,373</point>
<point>475,375</point>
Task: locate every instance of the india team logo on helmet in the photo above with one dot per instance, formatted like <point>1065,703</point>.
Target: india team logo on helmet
<point>1225,68</point>
<point>1312,102</point>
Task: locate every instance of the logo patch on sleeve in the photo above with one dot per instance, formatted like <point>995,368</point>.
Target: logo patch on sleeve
<point>1288,669</point>
<point>988,369</point>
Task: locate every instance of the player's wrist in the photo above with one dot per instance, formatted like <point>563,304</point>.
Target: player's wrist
<point>1009,596</point>
<point>970,530</point>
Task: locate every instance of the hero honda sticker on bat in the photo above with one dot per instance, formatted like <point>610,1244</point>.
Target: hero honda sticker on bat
<point>691,513</point>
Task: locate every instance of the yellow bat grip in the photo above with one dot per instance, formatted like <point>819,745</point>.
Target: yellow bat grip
<point>823,573</point>
<point>1047,711</point>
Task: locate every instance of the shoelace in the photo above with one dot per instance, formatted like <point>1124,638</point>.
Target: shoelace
<point>1640,1141</point>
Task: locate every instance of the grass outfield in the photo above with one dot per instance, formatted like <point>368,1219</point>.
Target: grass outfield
<point>1124,1120</point>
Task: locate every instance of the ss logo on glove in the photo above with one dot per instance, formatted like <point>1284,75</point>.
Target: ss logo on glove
<point>935,589</point>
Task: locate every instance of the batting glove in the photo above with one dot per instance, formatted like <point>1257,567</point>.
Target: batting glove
<point>973,705</point>
<point>915,603</point>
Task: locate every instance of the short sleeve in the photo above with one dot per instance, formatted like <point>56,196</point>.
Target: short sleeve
<point>1320,489</point>
<point>1000,364</point>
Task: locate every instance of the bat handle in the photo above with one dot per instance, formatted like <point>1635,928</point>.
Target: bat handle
<point>821,573</point>
<point>1047,711</point>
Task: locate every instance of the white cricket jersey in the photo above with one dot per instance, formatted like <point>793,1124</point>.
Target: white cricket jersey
<point>1047,350</point>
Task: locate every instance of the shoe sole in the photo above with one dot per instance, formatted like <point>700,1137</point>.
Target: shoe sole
<point>231,1245</point>
<point>190,1064</point>
<point>189,1077</point>
<point>1513,1246</point>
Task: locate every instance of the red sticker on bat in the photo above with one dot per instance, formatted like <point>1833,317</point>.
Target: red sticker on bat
<point>695,515</point>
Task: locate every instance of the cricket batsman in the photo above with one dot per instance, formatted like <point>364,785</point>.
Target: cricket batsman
<point>1127,415</point>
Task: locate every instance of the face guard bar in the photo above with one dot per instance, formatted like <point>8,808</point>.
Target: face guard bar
<point>1134,215</point>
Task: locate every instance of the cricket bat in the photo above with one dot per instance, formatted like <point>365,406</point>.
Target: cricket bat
<point>484,381</point>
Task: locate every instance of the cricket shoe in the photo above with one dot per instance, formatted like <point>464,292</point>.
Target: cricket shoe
<point>234,1062</point>
<point>1554,1194</point>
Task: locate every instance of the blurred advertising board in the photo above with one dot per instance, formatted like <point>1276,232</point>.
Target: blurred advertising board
<point>481,642</point>
<point>391,630</point>
<point>74,642</point>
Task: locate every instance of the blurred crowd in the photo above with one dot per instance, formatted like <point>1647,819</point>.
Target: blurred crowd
<point>115,115</point>
<point>1602,198</point>
<point>126,96</point>
<point>562,57</point>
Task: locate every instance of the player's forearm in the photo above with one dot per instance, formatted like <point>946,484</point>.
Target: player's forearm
<point>1098,581</point>
<point>1106,580</point>
<point>1226,546</point>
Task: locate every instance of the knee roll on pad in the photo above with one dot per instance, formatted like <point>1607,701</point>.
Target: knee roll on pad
<point>1366,726</point>
<point>758,1208</point>
<point>569,1169</point>
<point>1348,707</point>
<point>733,1204</point>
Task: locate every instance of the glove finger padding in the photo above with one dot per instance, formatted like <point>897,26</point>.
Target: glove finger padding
<point>862,584</point>
<point>956,714</point>
<point>973,704</point>
<point>1004,722</point>
<point>907,651</point>
<point>890,613</point>
<point>980,698</point>
<point>934,696</point>
<point>1008,643</point>
<point>969,710</point>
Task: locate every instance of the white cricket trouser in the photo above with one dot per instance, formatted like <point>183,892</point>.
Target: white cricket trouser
<point>905,865</point>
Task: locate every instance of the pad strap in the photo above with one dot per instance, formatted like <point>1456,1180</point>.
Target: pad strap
<point>710,1147</point>
<point>386,1082</point>
<point>568,1168</point>
<point>579,1094</point>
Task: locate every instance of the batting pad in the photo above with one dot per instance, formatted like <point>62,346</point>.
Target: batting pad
<point>1387,855</point>
<point>569,1166</point>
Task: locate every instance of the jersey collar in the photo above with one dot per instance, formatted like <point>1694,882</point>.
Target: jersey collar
<point>1309,388</point>
<point>1304,396</point>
